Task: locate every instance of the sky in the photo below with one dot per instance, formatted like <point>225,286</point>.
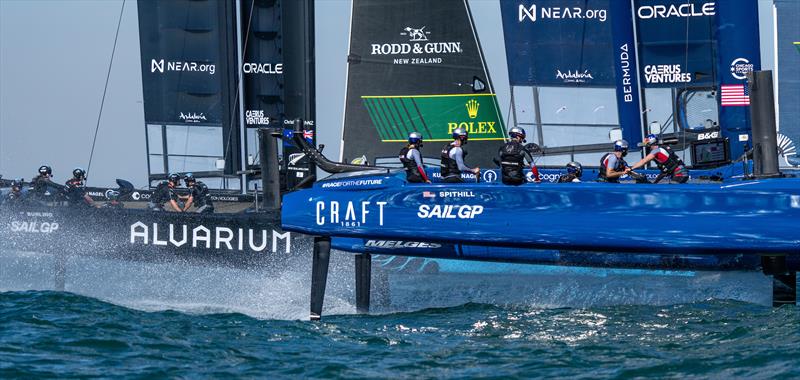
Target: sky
<point>54,57</point>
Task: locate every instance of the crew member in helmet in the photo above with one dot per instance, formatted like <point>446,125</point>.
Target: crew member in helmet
<point>574,173</point>
<point>165,194</point>
<point>199,195</point>
<point>613,165</point>
<point>453,158</point>
<point>411,159</point>
<point>75,192</point>
<point>42,183</point>
<point>15,196</point>
<point>512,157</point>
<point>668,162</point>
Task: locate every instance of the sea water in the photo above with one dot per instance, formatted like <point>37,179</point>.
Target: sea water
<point>123,320</point>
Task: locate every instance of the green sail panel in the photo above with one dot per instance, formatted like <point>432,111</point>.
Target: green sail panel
<point>411,67</point>
<point>436,116</point>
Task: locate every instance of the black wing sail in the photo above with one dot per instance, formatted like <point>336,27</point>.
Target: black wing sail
<point>416,65</point>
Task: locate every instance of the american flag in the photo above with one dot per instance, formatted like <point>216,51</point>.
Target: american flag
<point>428,194</point>
<point>734,95</point>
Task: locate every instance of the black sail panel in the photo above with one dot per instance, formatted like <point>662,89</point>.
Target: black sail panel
<point>413,65</point>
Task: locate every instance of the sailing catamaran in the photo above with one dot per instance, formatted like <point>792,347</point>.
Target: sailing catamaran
<point>375,211</point>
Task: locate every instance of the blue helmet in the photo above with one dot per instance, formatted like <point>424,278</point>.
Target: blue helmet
<point>517,132</point>
<point>460,134</point>
<point>651,139</point>
<point>415,138</point>
<point>575,168</point>
<point>188,179</point>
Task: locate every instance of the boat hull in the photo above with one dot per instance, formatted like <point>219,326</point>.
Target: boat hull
<point>493,222</point>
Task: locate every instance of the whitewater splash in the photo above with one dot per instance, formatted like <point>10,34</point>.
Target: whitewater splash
<point>281,290</point>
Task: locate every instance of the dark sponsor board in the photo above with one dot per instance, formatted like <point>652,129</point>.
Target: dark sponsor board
<point>412,66</point>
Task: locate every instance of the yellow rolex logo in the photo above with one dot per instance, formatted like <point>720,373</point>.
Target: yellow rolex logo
<point>472,108</point>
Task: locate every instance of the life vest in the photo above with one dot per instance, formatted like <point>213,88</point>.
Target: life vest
<point>449,165</point>
<point>604,167</point>
<point>412,172</point>
<point>75,192</point>
<point>200,195</point>
<point>512,162</point>
<point>160,194</point>
<point>667,161</point>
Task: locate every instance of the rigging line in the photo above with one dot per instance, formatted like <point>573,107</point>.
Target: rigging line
<point>685,88</point>
<point>236,94</point>
<point>105,89</point>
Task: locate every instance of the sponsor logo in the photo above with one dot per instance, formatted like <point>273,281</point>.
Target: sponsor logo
<point>34,227</point>
<point>353,182</point>
<point>39,214</point>
<point>95,194</point>
<point>137,196</point>
<point>545,177</point>
<point>203,237</point>
<point>449,211</point>
<point>294,158</point>
<point>673,10</point>
<point>415,34</point>
<point>399,244</point>
<point>574,76</point>
<point>708,136</point>
<point>481,127</point>
<point>666,74</point>
<point>161,66</point>
<point>262,68</point>
<point>740,67</point>
<point>489,176</point>
<point>428,194</point>
<point>472,108</point>
<point>351,214</point>
<point>557,13</point>
<point>625,66</point>
<point>744,137</point>
<point>192,117</point>
<point>419,45</point>
<point>255,117</point>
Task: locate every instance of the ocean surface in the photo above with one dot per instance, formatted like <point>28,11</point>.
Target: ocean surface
<point>158,321</point>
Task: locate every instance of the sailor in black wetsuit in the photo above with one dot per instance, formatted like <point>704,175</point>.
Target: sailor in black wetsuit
<point>199,195</point>
<point>453,158</point>
<point>75,192</point>
<point>165,194</point>
<point>15,196</point>
<point>42,184</point>
<point>667,161</point>
<point>411,159</point>
<point>512,157</point>
<point>574,173</point>
<point>613,165</point>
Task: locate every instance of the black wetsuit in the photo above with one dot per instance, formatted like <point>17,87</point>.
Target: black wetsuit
<point>161,195</point>
<point>201,198</point>
<point>512,162</point>
<point>75,193</point>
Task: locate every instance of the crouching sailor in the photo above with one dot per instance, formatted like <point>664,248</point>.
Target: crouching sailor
<point>42,184</point>
<point>75,192</point>
<point>411,159</point>
<point>199,195</point>
<point>15,197</point>
<point>512,157</point>
<point>668,162</point>
<point>613,165</point>
<point>165,193</point>
<point>574,173</point>
<point>453,158</point>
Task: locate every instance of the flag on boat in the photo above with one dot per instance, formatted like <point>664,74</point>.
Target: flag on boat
<point>428,194</point>
<point>734,95</point>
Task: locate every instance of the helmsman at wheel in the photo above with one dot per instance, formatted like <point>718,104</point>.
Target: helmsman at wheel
<point>512,157</point>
